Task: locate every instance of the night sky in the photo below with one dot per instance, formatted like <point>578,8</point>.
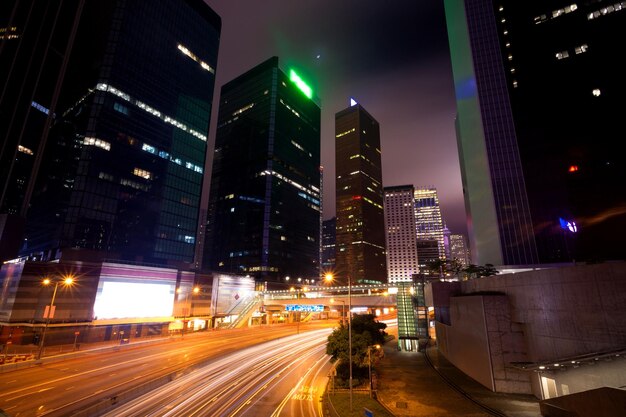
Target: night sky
<point>392,57</point>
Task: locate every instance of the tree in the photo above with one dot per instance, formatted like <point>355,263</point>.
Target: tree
<point>476,271</point>
<point>488,270</point>
<point>366,332</point>
<point>455,266</point>
<point>437,267</point>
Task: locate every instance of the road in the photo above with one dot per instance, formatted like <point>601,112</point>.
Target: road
<point>58,389</point>
<point>278,378</point>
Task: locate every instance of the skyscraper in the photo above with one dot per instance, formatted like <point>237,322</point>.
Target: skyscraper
<point>539,89</point>
<point>401,238</point>
<point>360,251</point>
<point>264,204</point>
<point>458,249</point>
<point>429,224</point>
<point>329,228</point>
<point>120,169</point>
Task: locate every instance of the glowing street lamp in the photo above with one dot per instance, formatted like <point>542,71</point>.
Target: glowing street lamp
<point>329,278</point>
<point>49,311</point>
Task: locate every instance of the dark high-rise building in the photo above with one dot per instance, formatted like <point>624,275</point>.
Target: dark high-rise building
<point>360,250</point>
<point>539,90</point>
<point>126,88</point>
<point>264,204</point>
<point>328,244</point>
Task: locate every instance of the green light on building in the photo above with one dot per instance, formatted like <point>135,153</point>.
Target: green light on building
<point>295,78</point>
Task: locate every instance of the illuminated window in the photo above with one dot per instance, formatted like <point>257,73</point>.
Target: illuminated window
<point>191,55</point>
<point>283,238</point>
<point>562,55</point>
<point>165,155</point>
<point>581,49</point>
<point>133,184</point>
<point>39,107</point>
<point>297,145</point>
<point>120,108</point>
<point>345,133</point>
<point>105,176</point>
<point>9,33</point>
<point>110,89</point>
<point>98,143</point>
<point>142,173</point>
<point>25,150</point>
<point>616,7</point>
<point>289,107</point>
<point>243,109</point>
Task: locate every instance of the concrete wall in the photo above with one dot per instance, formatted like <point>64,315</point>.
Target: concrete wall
<point>483,342</point>
<point>545,316</point>
<point>565,312</point>
<point>465,342</point>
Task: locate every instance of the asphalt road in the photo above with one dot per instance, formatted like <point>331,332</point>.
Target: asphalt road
<point>270,379</point>
<point>61,388</point>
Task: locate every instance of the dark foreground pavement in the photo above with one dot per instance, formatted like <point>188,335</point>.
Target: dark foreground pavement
<point>409,386</point>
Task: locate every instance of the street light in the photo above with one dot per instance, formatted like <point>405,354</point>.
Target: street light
<point>179,291</point>
<point>329,277</point>
<point>350,335</point>
<point>369,360</point>
<point>49,312</point>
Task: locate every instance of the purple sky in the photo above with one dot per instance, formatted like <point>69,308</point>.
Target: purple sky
<point>392,57</point>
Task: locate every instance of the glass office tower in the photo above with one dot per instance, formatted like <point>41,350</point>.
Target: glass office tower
<point>539,90</point>
<point>264,203</point>
<point>360,248</point>
<point>122,165</point>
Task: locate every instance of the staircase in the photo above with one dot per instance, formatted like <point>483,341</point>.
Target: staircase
<point>244,310</point>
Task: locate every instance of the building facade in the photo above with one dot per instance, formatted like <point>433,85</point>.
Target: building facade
<point>429,222</point>
<point>538,91</point>
<point>401,238</point>
<point>360,250</point>
<point>120,169</point>
<point>328,245</point>
<point>264,203</point>
<point>458,249</point>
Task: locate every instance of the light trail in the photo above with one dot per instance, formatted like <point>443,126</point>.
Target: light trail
<point>232,385</point>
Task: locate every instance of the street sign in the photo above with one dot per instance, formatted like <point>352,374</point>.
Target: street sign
<point>368,413</point>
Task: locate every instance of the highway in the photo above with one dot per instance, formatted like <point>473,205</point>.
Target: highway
<point>61,388</point>
<point>283,377</point>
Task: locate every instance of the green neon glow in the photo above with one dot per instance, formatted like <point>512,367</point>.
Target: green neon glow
<point>295,78</point>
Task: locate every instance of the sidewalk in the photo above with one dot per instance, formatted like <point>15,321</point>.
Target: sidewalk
<point>409,387</point>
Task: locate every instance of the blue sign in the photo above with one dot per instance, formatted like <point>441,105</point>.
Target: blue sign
<point>306,308</point>
<point>368,413</point>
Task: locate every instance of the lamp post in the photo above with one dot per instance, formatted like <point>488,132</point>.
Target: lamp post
<point>195,290</point>
<point>350,336</point>
<point>369,361</point>
<point>329,278</point>
<point>49,312</point>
